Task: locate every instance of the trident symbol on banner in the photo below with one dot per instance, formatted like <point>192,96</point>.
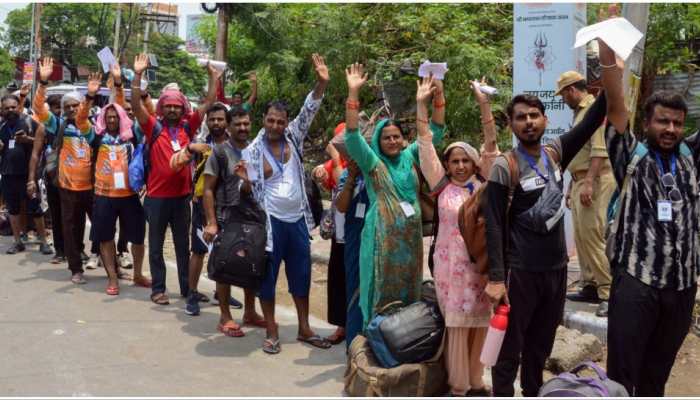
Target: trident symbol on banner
<point>541,43</point>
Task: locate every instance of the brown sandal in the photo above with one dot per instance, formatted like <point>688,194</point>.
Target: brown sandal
<point>160,298</point>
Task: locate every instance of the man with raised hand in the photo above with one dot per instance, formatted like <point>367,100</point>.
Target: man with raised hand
<point>276,157</point>
<point>656,255</point>
<point>167,198</point>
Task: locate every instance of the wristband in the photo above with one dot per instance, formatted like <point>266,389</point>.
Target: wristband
<point>438,105</point>
<point>425,121</point>
<point>44,83</point>
<point>118,84</point>
<point>352,105</point>
<point>607,66</point>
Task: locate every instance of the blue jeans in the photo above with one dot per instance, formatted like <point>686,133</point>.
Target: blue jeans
<point>161,212</point>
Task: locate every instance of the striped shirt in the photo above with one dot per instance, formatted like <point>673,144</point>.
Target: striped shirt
<point>660,254</point>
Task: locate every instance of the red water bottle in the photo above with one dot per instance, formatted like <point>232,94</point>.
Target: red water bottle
<point>494,336</point>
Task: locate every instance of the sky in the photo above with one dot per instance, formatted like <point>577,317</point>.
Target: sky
<point>184,8</point>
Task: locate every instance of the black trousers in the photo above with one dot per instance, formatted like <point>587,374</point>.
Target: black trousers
<point>646,328</point>
<point>54,200</point>
<point>337,301</point>
<point>75,206</point>
<point>536,310</point>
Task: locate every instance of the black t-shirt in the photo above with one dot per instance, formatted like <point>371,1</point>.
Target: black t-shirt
<point>15,160</point>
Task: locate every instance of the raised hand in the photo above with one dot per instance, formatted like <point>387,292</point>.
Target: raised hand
<point>116,72</point>
<point>94,81</point>
<point>24,90</point>
<point>480,96</point>
<point>140,63</point>
<point>425,89</point>
<point>45,68</point>
<point>214,72</point>
<point>320,68</point>
<point>356,76</point>
<point>240,170</point>
<point>253,77</point>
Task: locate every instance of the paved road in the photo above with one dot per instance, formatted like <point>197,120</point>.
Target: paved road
<point>59,339</point>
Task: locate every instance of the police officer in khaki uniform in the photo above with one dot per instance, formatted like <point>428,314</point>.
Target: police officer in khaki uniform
<point>591,188</point>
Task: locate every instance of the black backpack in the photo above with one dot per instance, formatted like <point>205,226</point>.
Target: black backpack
<point>238,257</point>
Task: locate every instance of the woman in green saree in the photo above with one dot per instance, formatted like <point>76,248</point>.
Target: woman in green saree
<point>391,252</point>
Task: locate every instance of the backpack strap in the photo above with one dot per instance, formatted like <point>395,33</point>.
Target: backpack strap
<point>640,151</point>
<point>685,150</point>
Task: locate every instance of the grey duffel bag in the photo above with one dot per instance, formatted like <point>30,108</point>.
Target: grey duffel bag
<point>570,384</point>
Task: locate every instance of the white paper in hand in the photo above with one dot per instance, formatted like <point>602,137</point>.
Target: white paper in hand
<point>200,235</point>
<point>438,70</point>
<point>252,173</point>
<point>106,58</point>
<point>219,65</point>
<point>618,33</point>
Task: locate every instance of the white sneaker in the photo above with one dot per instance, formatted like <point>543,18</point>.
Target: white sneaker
<point>124,260</point>
<point>94,262</point>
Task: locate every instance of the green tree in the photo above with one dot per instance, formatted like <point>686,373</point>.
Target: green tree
<point>71,33</point>
<point>7,68</point>
<point>391,39</point>
<point>175,65</point>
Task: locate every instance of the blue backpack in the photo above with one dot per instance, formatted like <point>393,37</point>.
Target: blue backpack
<point>640,151</point>
<point>139,165</point>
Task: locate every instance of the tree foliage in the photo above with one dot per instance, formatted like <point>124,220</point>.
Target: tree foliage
<point>7,68</point>
<point>175,65</point>
<point>72,33</point>
<point>277,40</point>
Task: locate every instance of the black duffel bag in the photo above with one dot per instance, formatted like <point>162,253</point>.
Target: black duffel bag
<point>238,255</point>
<point>414,333</point>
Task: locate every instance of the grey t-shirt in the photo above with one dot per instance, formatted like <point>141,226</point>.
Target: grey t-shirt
<point>229,201</point>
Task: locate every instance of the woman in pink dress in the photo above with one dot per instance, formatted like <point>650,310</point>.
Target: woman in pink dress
<point>459,285</point>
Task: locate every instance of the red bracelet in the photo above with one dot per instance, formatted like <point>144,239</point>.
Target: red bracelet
<point>353,105</point>
<point>438,105</point>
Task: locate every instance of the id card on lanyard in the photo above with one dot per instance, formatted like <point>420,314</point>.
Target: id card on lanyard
<point>664,208</point>
<point>172,133</point>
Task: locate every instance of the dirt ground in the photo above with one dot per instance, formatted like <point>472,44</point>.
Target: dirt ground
<point>684,376</point>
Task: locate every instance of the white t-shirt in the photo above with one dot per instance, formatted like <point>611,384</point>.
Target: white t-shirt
<point>283,190</point>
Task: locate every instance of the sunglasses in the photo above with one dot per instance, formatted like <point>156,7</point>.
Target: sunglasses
<point>669,183</point>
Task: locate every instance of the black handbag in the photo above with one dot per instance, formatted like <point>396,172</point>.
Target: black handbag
<point>238,255</point>
<point>414,333</point>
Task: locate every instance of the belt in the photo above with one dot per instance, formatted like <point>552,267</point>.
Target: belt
<point>578,175</point>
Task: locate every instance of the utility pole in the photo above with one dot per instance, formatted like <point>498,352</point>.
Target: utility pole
<point>118,23</point>
<point>638,15</point>
<point>35,44</point>
<point>148,29</point>
<point>221,33</point>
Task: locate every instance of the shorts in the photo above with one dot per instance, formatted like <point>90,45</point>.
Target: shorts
<point>14,192</point>
<point>198,222</point>
<point>291,243</point>
<point>129,210</point>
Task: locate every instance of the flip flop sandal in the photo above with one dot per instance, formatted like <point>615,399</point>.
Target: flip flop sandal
<point>271,346</point>
<point>315,341</point>
<point>143,282</point>
<point>125,276</point>
<point>160,298</point>
<point>112,290</point>
<point>258,322</point>
<point>335,339</point>
<point>230,329</point>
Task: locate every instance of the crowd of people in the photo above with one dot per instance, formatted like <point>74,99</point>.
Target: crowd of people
<point>197,180</point>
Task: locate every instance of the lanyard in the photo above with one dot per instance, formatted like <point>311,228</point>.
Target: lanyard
<point>533,164</point>
<point>280,165</point>
<point>172,132</point>
<point>661,164</point>
<point>470,187</point>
